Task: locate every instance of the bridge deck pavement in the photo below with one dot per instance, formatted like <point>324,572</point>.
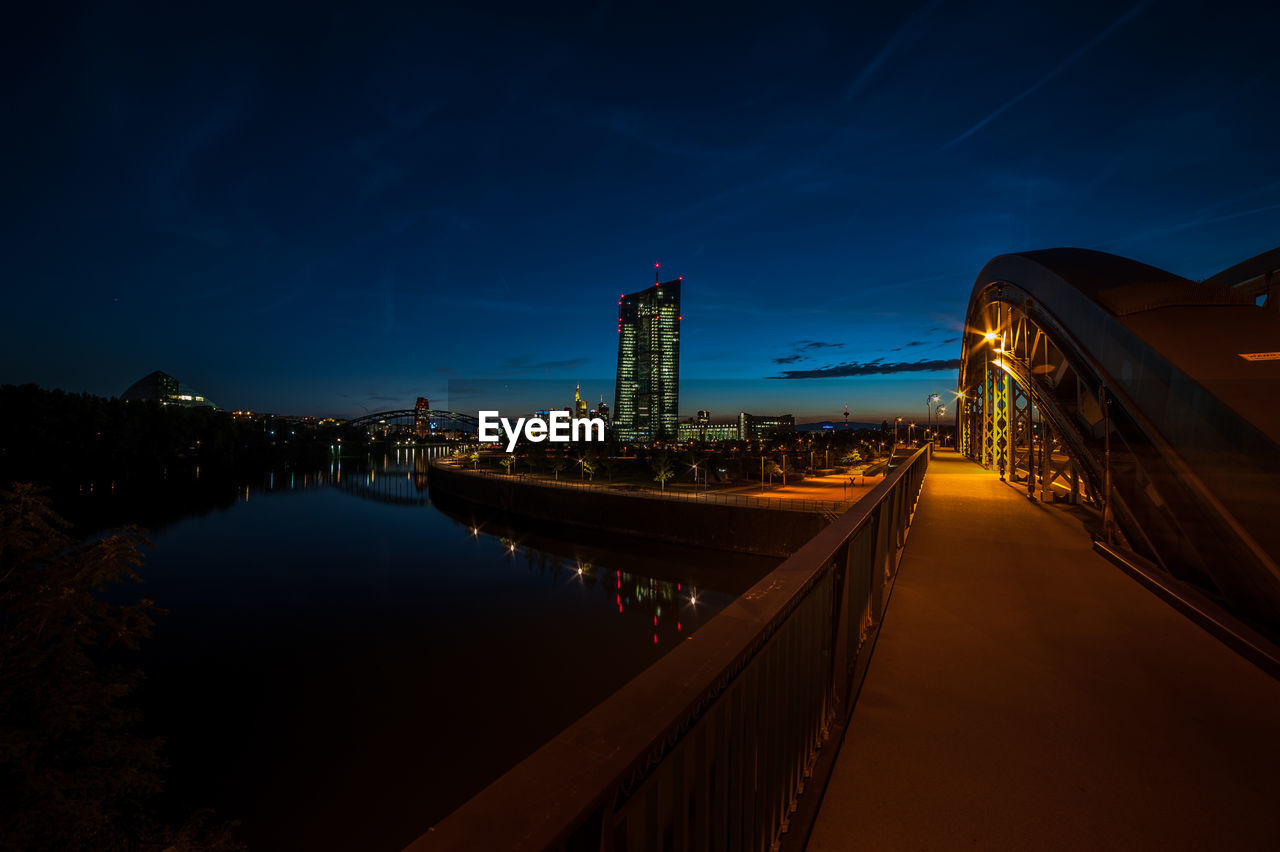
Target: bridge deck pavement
<point>1026,694</point>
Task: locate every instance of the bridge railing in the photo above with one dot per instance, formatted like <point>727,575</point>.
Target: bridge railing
<point>711,746</point>
<point>813,506</point>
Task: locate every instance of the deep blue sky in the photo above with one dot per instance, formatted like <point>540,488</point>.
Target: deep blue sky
<point>322,209</point>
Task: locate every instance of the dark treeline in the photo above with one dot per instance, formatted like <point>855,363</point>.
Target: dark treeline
<point>153,460</point>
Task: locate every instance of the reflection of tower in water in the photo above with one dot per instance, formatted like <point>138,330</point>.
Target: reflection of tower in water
<point>420,465</point>
<point>661,601</point>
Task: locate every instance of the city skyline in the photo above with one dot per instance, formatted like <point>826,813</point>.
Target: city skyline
<point>184,196</point>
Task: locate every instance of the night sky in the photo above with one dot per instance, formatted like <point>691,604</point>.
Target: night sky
<point>321,209</point>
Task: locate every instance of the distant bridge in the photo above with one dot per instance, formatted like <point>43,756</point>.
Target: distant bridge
<point>438,419</point>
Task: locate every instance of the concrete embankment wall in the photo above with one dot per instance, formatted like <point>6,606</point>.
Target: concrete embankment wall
<point>743,529</point>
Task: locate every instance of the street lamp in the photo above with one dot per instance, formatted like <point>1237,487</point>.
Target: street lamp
<point>928,407</point>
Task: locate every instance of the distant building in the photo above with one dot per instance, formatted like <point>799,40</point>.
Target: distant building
<point>759,427</point>
<point>579,404</point>
<point>693,430</point>
<point>166,390</point>
<point>422,417</point>
<point>647,393</point>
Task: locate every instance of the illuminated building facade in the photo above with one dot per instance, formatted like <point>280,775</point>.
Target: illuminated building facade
<point>647,393</point>
<point>695,430</point>
<point>166,390</point>
<point>759,427</point>
<point>422,417</point>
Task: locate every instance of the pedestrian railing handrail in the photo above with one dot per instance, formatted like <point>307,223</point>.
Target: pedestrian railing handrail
<point>711,747</point>
<point>709,497</point>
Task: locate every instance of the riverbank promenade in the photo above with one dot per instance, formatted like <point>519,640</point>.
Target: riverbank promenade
<point>1025,693</point>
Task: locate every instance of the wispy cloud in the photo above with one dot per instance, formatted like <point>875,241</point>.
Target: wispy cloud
<point>1184,226</point>
<point>1062,66</point>
<point>889,46</point>
<point>801,350</point>
<point>870,368</point>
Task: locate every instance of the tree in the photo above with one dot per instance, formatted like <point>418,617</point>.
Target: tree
<point>507,461</point>
<point>558,463</point>
<point>609,463</point>
<point>475,460</point>
<point>662,470</point>
<point>771,468</point>
<point>589,466</point>
<point>74,772</point>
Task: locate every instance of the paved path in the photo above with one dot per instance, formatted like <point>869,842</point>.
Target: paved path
<point>1026,694</point>
<point>834,487</point>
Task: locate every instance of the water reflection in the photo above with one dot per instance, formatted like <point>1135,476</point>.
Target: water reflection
<point>342,665</point>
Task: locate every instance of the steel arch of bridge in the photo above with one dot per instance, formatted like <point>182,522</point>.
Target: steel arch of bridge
<point>1069,353</point>
<point>412,414</point>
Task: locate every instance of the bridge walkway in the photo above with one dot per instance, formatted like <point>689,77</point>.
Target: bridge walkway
<point>1027,694</point>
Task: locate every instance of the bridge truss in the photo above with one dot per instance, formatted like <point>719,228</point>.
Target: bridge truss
<point>1091,378</point>
<point>435,419</point>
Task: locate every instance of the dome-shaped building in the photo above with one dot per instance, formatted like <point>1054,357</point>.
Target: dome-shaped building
<point>166,390</point>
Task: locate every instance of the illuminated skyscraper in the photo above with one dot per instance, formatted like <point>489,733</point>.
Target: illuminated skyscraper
<point>422,417</point>
<point>647,393</point>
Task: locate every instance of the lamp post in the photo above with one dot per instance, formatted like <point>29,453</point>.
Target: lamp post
<point>928,408</point>
<point>895,431</point>
<point>937,421</point>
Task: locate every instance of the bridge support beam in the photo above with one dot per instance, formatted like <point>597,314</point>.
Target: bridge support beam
<point>969,422</point>
<point>1021,442</point>
<point>999,417</point>
<point>988,422</point>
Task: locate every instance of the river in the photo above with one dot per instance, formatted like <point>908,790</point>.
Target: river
<point>342,663</point>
